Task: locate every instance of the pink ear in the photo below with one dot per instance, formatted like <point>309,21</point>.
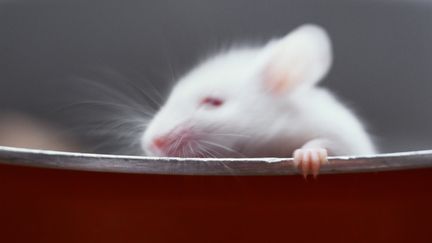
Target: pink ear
<point>300,59</point>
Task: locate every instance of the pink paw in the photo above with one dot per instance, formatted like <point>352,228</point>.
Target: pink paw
<point>309,160</point>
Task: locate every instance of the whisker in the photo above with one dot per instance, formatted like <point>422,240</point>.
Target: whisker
<point>222,147</point>
<point>110,91</point>
<point>207,150</point>
<point>190,148</point>
<point>143,92</point>
<point>221,162</point>
<point>146,94</point>
<point>116,113</point>
<point>200,150</point>
<point>231,135</point>
<point>155,91</point>
<point>116,106</point>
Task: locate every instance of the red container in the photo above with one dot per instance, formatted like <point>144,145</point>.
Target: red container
<point>46,205</point>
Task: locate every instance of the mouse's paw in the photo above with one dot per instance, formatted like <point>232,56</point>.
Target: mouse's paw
<point>309,160</point>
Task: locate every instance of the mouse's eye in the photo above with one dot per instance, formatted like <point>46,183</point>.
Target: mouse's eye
<point>212,101</point>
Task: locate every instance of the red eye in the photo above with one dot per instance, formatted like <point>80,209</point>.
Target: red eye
<point>212,101</point>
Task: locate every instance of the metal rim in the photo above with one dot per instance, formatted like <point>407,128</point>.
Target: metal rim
<point>207,166</point>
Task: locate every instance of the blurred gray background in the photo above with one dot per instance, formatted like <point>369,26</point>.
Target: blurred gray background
<point>382,67</point>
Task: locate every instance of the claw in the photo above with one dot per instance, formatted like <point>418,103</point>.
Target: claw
<point>306,165</point>
<point>315,164</point>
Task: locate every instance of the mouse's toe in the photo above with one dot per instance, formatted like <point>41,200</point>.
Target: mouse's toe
<point>309,160</point>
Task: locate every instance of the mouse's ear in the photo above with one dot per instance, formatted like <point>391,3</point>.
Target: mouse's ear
<point>300,59</point>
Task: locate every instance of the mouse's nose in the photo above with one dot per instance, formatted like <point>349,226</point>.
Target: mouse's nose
<point>160,142</point>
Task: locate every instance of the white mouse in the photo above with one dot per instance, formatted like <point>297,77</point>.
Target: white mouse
<point>260,102</point>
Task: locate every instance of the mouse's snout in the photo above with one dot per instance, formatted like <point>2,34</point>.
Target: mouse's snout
<point>175,143</point>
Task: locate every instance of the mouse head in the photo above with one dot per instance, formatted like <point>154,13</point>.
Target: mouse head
<point>237,103</point>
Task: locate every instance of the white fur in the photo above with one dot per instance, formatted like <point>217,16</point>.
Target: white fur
<point>257,121</point>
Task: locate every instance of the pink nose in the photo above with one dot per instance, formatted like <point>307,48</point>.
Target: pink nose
<point>160,142</point>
